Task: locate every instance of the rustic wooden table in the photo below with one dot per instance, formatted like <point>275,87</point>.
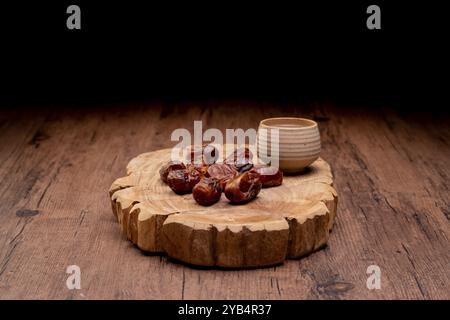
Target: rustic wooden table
<point>56,165</point>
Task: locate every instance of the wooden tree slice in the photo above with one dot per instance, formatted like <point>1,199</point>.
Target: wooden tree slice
<point>226,237</point>
<point>288,221</point>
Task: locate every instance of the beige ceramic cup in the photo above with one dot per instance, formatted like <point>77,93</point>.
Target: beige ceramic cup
<point>299,142</point>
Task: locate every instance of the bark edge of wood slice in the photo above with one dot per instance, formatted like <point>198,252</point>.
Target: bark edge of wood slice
<point>284,222</point>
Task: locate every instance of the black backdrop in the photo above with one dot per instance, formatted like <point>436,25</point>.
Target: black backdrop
<point>130,50</point>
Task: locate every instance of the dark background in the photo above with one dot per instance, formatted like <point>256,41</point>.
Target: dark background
<point>311,50</point>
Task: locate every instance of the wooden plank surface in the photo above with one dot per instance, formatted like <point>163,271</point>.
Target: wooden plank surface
<point>56,164</point>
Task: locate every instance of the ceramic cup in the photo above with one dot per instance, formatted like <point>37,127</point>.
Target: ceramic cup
<point>299,142</point>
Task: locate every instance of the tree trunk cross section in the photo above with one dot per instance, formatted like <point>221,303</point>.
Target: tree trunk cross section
<point>284,222</point>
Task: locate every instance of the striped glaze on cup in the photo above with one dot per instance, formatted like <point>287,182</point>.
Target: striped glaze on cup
<point>299,142</point>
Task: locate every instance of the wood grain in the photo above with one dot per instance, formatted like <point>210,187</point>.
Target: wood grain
<point>391,172</point>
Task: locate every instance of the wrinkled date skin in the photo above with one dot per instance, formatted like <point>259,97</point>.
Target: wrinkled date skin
<point>172,165</point>
<point>270,176</point>
<point>183,181</point>
<point>201,169</point>
<point>202,155</point>
<point>244,166</point>
<point>222,172</point>
<point>244,187</point>
<point>241,159</point>
<point>207,191</point>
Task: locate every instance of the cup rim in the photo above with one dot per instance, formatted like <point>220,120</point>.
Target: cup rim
<point>308,123</point>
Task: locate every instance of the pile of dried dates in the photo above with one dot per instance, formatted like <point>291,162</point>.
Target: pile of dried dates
<point>207,179</point>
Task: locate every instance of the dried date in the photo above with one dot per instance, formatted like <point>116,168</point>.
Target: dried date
<point>244,187</point>
<point>241,159</point>
<point>270,176</point>
<point>172,165</point>
<point>207,191</point>
<point>222,172</point>
<point>236,177</point>
<point>183,181</point>
<point>202,169</point>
